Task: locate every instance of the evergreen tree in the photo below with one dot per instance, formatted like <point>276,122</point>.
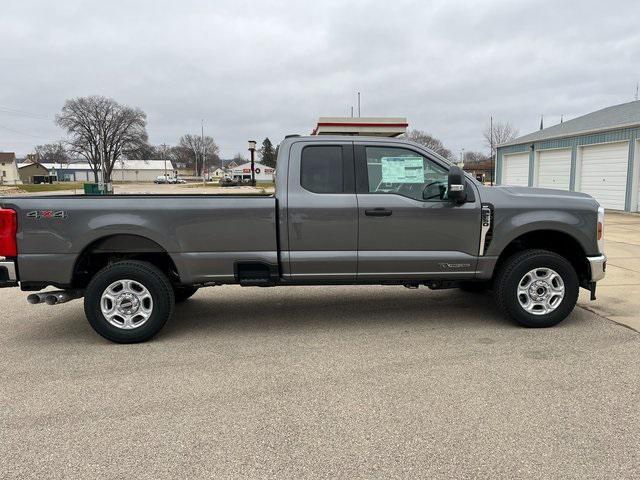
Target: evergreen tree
<point>268,154</point>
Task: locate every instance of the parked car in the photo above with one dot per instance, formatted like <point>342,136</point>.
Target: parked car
<point>227,182</point>
<point>347,210</point>
<point>160,179</point>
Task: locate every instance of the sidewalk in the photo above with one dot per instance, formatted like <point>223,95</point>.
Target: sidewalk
<point>619,293</point>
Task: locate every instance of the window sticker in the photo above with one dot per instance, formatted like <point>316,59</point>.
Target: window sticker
<point>402,170</point>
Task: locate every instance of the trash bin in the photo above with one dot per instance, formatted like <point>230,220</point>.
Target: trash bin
<point>91,189</point>
<point>98,188</point>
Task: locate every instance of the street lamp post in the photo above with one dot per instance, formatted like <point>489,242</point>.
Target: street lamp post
<point>252,149</point>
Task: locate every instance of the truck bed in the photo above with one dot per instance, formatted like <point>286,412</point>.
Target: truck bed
<point>205,235</point>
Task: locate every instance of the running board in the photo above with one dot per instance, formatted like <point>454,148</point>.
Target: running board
<point>257,282</point>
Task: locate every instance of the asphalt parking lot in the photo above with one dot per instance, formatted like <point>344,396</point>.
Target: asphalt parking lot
<point>319,382</point>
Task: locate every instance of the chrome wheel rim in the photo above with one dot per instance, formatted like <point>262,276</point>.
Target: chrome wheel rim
<point>540,291</point>
<point>126,304</point>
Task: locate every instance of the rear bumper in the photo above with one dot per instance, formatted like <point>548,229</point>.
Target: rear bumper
<point>8,277</point>
<point>598,266</point>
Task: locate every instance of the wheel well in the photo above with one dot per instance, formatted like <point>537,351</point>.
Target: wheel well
<point>558,242</point>
<point>104,251</point>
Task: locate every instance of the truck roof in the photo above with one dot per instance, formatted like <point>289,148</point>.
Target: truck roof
<point>359,138</point>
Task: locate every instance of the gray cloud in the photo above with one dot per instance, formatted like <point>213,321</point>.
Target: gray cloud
<point>256,69</point>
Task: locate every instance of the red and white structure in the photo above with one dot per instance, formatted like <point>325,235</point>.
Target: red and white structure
<point>371,126</point>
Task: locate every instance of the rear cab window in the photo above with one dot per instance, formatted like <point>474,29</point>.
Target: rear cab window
<point>327,169</point>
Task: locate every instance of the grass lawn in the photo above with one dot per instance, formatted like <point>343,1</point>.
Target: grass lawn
<point>52,187</point>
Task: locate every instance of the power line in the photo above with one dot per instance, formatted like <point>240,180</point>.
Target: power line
<point>14,111</point>
<point>19,132</point>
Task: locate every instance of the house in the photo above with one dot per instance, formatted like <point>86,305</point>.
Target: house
<point>73,171</point>
<point>216,174</point>
<point>597,153</point>
<point>481,170</point>
<point>35,173</point>
<point>262,172</point>
<point>8,169</point>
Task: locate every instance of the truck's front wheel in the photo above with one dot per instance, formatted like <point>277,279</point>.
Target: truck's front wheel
<point>537,288</point>
<point>129,301</point>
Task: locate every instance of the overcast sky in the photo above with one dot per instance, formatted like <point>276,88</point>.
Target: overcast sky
<point>267,68</point>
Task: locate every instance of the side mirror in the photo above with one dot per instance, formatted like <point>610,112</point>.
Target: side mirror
<point>457,185</point>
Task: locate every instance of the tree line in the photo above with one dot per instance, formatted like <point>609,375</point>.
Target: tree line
<point>102,131</point>
<point>493,135</point>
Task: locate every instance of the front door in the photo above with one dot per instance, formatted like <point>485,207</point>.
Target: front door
<point>408,229</point>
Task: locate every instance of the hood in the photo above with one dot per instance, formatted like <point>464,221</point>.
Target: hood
<point>542,192</point>
<point>525,197</point>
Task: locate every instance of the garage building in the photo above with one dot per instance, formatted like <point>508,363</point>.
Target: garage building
<point>123,171</point>
<point>597,153</point>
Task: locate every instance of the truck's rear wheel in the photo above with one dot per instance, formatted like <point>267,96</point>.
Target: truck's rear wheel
<point>537,288</point>
<point>129,301</point>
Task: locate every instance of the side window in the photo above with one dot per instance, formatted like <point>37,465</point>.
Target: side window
<point>321,169</point>
<point>405,172</point>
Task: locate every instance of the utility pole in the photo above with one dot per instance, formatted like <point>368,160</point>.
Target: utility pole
<point>358,104</point>
<point>164,157</point>
<point>637,85</point>
<point>493,156</point>
<point>202,145</point>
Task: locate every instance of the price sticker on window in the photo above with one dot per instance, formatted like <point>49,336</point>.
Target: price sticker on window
<point>402,170</point>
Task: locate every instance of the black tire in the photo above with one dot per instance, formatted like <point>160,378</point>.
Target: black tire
<point>157,285</point>
<point>474,287</point>
<point>513,271</point>
<point>182,294</point>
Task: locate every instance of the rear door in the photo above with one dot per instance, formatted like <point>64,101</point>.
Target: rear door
<point>322,213</point>
<point>407,227</point>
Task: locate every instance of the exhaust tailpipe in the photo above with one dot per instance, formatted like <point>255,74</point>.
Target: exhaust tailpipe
<point>54,298</point>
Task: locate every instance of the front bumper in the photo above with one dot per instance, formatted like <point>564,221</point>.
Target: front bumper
<point>598,266</point>
<point>8,277</point>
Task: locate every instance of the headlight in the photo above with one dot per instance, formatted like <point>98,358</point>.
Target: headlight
<point>600,234</point>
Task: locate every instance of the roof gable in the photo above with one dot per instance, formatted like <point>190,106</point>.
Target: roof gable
<point>616,116</point>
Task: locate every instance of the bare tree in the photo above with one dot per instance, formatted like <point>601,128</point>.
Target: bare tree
<point>429,141</point>
<point>239,158</point>
<point>145,151</point>
<point>101,130</point>
<point>52,153</point>
<point>501,132</point>
<point>191,148</point>
<point>473,159</point>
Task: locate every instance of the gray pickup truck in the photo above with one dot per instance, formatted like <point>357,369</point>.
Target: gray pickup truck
<point>347,210</point>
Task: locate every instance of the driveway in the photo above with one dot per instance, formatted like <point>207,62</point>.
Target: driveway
<point>319,382</point>
<point>619,293</point>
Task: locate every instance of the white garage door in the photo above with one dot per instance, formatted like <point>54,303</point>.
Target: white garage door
<point>554,169</point>
<point>515,169</point>
<point>603,173</point>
